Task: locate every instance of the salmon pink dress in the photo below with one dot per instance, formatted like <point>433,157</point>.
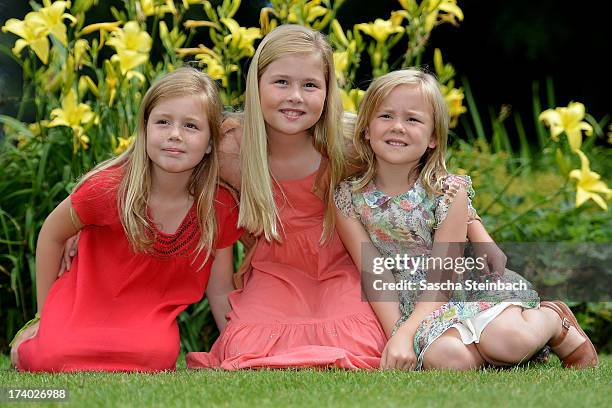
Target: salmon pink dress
<point>301,304</point>
<point>115,310</point>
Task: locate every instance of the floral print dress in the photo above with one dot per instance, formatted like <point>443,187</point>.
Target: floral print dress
<point>405,224</point>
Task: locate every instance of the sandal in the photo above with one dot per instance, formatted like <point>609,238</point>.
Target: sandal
<point>585,355</point>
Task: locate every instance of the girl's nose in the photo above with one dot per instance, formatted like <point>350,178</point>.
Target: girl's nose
<point>295,95</point>
<point>398,126</point>
<point>175,133</point>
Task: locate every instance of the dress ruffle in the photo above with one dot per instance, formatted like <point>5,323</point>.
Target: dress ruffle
<point>353,342</point>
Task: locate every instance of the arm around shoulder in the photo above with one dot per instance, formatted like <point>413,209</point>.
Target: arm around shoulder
<point>229,151</point>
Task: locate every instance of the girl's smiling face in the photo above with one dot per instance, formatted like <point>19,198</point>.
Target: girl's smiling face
<point>401,128</point>
<point>178,134</point>
<point>292,93</point>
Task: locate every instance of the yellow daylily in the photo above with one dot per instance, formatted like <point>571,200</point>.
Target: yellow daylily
<point>341,63</point>
<point>171,39</point>
<point>74,115</point>
<point>150,8</point>
<point>82,139</point>
<point>201,23</point>
<point>440,11</point>
<point>100,27</point>
<point>380,29</point>
<point>80,52</point>
<point>82,6</point>
<point>167,8</point>
<point>454,100</point>
<point>147,7</point>
<point>397,16</point>
<point>86,83</point>
<point>51,18</point>
<point>36,127</point>
<point>132,45</point>
<point>32,35</point>
<point>311,11</point>
<point>215,68</point>
<point>187,3</point>
<point>184,52</point>
<point>103,28</point>
<point>339,33</point>
<point>569,120</point>
<point>111,80</point>
<point>129,59</point>
<point>241,39</point>
<point>351,99</point>
<point>123,143</point>
<point>589,185</point>
<point>131,38</point>
<point>264,20</point>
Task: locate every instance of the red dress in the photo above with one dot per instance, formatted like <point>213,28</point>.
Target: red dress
<point>115,310</point>
<point>301,305</point>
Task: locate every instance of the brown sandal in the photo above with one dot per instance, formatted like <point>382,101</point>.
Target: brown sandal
<point>585,355</point>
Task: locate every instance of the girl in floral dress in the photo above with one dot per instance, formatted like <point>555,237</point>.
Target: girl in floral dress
<point>405,202</point>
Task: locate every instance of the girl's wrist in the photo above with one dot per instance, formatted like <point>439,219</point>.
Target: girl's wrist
<point>403,326</point>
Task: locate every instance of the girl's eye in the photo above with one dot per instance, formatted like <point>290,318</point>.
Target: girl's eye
<point>162,122</point>
<point>384,116</point>
<point>281,81</point>
<point>191,126</point>
<point>311,85</point>
<point>414,120</point>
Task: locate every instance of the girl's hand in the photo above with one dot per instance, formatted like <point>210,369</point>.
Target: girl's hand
<point>496,259</point>
<point>70,251</point>
<point>485,247</point>
<point>399,352</point>
<point>229,151</point>
<point>29,332</point>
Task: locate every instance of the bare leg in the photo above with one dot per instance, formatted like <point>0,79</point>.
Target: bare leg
<point>449,352</point>
<point>29,332</point>
<point>517,334</point>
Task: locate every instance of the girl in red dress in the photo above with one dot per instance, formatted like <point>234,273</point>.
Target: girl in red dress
<point>154,227</point>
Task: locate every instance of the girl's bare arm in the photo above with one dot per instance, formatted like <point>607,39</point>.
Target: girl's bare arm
<point>220,285</point>
<point>57,228</point>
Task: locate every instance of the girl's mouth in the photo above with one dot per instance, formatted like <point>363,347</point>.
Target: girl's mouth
<point>173,150</point>
<point>396,143</point>
<point>292,113</point>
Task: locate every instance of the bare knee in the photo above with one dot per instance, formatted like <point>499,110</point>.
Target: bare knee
<point>508,344</point>
<point>451,356</point>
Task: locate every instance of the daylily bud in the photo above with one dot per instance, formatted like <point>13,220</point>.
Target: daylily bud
<point>339,33</point>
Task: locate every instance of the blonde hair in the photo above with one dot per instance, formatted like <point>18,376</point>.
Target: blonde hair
<point>431,167</point>
<point>135,185</point>
<point>258,212</point>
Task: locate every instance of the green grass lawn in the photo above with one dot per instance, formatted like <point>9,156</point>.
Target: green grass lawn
<point>538,386</point>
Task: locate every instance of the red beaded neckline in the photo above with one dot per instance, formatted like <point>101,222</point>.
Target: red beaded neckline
<point>183,241</point>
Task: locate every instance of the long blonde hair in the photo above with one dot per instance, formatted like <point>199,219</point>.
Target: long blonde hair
<point>134,164</point>
<point>431,167</point>
<point>258,212</point>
